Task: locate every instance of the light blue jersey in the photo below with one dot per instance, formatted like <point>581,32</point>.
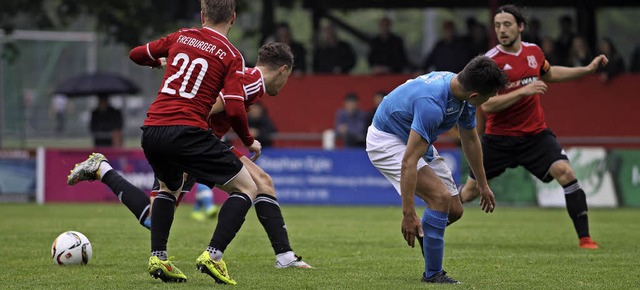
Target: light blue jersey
<point>426,105</point>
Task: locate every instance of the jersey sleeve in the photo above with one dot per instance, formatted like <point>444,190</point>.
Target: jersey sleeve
<point>427,115</point>
<point>545,67</point>
<point>545,63</point>
<point>467,118</point>
<point>150,53</point>
<point>237,114</point>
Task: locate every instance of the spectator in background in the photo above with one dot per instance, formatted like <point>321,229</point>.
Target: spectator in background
<point>332,55</point>
<point>351,122</point>
<point>476,39</point>
<point>616,63</point>
<point>283,35</point>
<point>59,108</point>
<point>579,54</point>
<point>106,124</point>
<point>548,47</point>
<point>260,125</point>
<point>377,99</point>
<point>450,53</point>
<point>386,51</point>
<point>565,40</point>
<point>635,60</point>
<point>532,34</point>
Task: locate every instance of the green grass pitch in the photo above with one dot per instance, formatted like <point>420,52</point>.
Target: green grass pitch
<point>350,248</point>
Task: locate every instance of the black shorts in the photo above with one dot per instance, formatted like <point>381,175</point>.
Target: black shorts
<point>535,152</point>
<point>172,150</point>
<point>188,184</point>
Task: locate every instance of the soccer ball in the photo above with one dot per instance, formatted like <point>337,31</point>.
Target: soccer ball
<point>71,248</point>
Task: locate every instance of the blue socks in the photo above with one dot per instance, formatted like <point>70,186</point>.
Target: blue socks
<point>433,225</point>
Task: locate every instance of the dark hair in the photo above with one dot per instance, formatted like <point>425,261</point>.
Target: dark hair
<point>513,10</point>
<point>482,75</point>
<point>218,11</point>
<point>282,25</point>
<point>351,97</point>
<point>275,55</point>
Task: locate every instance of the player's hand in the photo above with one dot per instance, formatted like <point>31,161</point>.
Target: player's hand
<point>255,149</point>
<point>411,228</point>
<point>597,62</point>
<point>163,63</point>
<point>536,87</point>
<point>487,200</point>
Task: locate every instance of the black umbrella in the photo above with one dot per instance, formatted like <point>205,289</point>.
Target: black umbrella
<point>99,83</point>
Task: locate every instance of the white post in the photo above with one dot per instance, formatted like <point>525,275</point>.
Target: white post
<point>40,164</point>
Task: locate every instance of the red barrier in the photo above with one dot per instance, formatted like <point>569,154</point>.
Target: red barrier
<point>582,108</point>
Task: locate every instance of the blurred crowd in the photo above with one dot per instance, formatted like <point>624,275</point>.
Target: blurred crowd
<point>387,53</point>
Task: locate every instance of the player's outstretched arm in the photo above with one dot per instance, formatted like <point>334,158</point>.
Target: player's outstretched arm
<point>563,73</point>
<point>504,101</point>
<point>473,153</point>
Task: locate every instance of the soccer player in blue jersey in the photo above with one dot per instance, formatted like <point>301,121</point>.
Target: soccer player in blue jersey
<point>400,145</point>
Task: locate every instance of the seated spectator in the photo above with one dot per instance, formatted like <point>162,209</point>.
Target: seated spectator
<point>260,124</point>
<point>386,51</point>
<point>351,122</point>
<point>616,63</point>
<point>450,53</point>
<point>332,55</point>
<point>283,35</point>
<point>377,99</point>
<point>579,54</point>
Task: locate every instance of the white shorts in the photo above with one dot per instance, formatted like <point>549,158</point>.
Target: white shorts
<point>386,151</point>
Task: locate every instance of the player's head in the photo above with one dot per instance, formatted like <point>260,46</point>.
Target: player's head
<point>481,79</point>
<point>508,23</point>
<point>276,61</point>
<point>216,12</point>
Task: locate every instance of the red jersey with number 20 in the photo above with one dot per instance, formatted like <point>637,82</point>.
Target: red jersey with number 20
<point>200,62</point>
<point>525,117</point>
<point>254,90</point>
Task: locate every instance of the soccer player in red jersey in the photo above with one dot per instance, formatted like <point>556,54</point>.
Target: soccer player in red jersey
<point>268,77</point>
<point>516,133</point>
<point>176,139</point>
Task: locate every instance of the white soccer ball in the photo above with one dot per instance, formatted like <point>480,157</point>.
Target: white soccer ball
<point>71,248</point>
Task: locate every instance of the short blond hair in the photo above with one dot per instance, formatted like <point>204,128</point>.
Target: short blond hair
<point>218,11</point>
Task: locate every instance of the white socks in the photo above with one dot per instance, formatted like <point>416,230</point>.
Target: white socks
<point>104,168</point>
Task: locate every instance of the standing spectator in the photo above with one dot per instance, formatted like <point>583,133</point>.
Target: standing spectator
<point>351,122</point>
<point>579,54</point>
<point>283,35</point>
<point>386,51</point>
<point>635,60</point>
<point>106,124</point>
<point>616,63</point>
<point>533,32</point>
<point>565,40</point>
<point>476,38</point>
<point>548,48</point>
<point>260,124</point>
<point>332,55</point>
<point>59,108</point>
<point>451,53</point>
